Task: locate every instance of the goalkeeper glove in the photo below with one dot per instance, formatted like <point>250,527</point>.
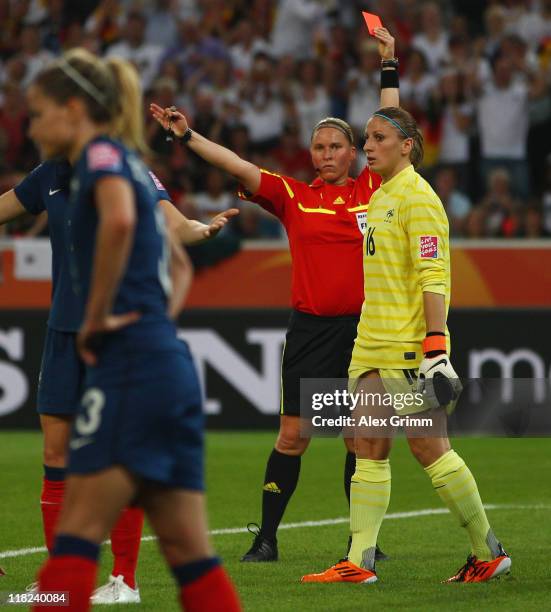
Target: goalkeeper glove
<point>437,380</point>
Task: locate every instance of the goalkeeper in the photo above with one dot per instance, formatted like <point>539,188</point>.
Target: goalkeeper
<point>402,346</point>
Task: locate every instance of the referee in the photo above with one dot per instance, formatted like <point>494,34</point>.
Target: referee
<point>325,221</point>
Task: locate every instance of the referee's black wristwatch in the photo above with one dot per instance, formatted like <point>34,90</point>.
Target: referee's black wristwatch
<point>185,137</point>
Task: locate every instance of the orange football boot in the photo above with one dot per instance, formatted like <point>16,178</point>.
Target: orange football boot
<point>480,571</point>
<point>343,571</point>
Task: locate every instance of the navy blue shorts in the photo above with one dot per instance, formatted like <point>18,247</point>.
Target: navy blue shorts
<point>61,374</point>
<point>141,408</point>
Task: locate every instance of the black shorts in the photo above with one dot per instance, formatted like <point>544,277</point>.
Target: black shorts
<point>315,347</point>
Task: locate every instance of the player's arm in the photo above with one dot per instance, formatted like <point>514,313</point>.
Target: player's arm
<point>187,231</point>
<point>390,93</point>
<point>246,173</point>
<point>426,226</point>
<point>115,206</point>
<point>181,273</point>
<point>438,381</point>
<point>435,311</point>
<point>10,207</point>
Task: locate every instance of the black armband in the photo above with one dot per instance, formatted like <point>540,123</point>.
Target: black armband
<point>389,78</point>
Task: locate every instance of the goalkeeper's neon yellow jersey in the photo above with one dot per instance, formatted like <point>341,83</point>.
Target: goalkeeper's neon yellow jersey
<point>406,252</point>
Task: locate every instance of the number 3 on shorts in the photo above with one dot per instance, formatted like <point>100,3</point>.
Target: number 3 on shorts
<point>93,401</point>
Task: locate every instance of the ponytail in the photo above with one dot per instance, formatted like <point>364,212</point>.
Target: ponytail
<point>128,123</point>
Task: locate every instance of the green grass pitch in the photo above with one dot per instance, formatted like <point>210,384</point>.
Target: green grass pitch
<point>512,475</point>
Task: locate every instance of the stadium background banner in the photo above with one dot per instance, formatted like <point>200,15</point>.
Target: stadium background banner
<point>237,353</point>
<point>485,274</point>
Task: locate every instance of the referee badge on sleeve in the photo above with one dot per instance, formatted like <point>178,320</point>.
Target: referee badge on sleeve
<point>428,247</point>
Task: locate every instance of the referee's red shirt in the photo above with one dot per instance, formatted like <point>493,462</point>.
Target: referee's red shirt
<point>325,225</point>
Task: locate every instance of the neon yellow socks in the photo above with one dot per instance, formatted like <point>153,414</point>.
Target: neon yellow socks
<point>369,497</point>
<point>456,486</point>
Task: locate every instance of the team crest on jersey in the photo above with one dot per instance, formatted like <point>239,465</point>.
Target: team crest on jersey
<point>156,181</point>
<point>104,156</point>
<point>361,218</point>
<point>428,247</point>
<point>389,215</point>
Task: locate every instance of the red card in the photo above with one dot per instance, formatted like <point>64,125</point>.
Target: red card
<point>372,22</point>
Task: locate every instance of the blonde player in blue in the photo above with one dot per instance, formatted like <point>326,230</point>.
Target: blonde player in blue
<point>138,434</point>
<point>402,347</point>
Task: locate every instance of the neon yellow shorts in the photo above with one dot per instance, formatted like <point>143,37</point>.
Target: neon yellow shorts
<point>400,384</point>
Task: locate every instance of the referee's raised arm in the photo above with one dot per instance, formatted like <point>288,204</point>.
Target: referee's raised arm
<point>390,92</point>
<point>174,121</point>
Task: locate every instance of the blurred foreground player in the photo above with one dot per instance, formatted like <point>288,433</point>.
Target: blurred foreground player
<point>324,223</point>
<point>46,189</point>
<point>402,348</point>
<point>138,434</point>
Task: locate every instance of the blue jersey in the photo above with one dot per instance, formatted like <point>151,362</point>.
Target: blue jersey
<point>145,284</point>
<point>47,188</point>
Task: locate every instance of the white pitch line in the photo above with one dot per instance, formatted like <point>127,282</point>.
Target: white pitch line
<point>22,552</point>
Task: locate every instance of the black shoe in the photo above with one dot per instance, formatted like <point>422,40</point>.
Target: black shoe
<point>262,549</point>
<point>379,554</point>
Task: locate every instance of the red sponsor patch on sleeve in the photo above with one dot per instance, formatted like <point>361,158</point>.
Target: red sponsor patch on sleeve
<point>157,182</point>
<point>428,247</point>
<point>104,156</point>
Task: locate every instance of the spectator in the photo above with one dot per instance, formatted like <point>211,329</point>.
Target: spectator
<point>363,87</point>
<point>246,45</point>
<point>53,26</point>
<point>76,36</point>
<point>455,113</point>
<point>133,47</point>
<point>417,85</point>
<point>204,116</point>
<point>263,111</point>
<point>494,18</point>
<point>15,71</point>
<point>310,99</point>
<point>106,23</point>
<point>219,76</point>
<point>291,158</point>
<point>193,49</point>
<point>247,70</point>
<point>502,112</point>
<point>432,41</point>
<point>523,60</point>
<point>13,17</point>
<point>13,125</point>
<point>534,27</point>
<point>502,218</point>
<point>457,204</point>
<point>295,24</point>
<point>533,222</point>
<point>215,198</point>
<point>162,29</point>
<point>32,54</point>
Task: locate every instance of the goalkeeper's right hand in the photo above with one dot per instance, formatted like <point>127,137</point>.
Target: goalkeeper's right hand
<point>437,380</point>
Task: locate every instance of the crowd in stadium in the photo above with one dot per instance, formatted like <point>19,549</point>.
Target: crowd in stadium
<point>257,75</point>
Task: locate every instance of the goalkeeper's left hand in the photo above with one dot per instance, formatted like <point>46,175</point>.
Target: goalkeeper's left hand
<point>437,380</point>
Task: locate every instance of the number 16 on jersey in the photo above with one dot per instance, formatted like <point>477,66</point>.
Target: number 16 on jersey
<point>370,241</point>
